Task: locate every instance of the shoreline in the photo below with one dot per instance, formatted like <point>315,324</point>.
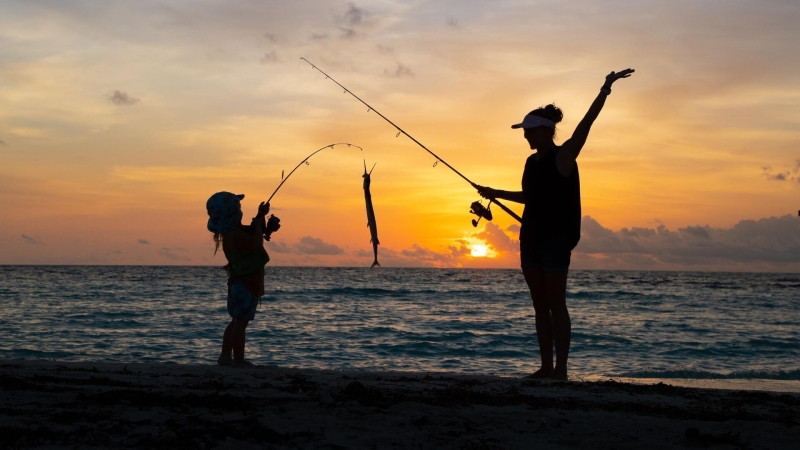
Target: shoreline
<point>729,384</point>
<point>48,404</point>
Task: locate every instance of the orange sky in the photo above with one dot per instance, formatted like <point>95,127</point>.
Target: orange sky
<point>117,121</point>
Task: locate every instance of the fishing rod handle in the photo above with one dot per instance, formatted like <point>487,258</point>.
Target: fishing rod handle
<point>507,210</point>
<point>502,206</point>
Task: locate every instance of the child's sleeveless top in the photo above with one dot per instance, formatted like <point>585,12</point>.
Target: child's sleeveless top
<point>246,260</point>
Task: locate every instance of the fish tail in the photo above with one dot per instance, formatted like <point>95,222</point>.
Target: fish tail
<point>376,263</point>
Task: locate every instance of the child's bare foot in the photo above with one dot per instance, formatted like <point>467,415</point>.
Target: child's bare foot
<point>542,373</point>
<point>559,374</point>
<point>243,363</point>
<point>224,361</point>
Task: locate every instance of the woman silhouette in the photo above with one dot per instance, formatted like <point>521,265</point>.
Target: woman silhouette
<point>551,222</point>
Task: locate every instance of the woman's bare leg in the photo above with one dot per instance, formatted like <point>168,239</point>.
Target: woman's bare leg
<point>556,292</point>
<point>544,327</point>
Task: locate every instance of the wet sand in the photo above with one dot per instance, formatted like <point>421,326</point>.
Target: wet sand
<point>103,405</point>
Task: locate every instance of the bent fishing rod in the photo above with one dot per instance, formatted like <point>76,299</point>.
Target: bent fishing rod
<point>283,180</point>
<point>274,223</point>
<point>401,131</point>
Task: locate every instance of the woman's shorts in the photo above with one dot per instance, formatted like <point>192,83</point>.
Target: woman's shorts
<point>241,303</point>
<point>551,256</point>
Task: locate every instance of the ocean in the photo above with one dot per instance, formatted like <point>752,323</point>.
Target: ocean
<point>676,325</point>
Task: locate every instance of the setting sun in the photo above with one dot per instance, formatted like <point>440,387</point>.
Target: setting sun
<point>478,251</point>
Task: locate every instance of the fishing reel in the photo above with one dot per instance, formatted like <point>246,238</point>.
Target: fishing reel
<point>483,212</point>
<point>273,225</point>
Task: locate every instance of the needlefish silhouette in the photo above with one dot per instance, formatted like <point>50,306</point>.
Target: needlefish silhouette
<point>371,223</point>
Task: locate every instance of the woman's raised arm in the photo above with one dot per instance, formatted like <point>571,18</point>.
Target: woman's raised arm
<point>572,147</point>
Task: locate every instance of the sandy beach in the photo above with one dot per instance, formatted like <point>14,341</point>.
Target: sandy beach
<point>106,405</point>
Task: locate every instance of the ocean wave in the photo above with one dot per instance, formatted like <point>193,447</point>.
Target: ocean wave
<point>356,292</point>
<point>772,343</point>
<point>787,279</point>
<point>605,295</point>
<point>381,293</point>
<point>28,353</point>
<point>640,297</point>
<point>785,286</point>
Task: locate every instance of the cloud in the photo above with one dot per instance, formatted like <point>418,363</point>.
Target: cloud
<point>354,15</point>
<point>427,256</point>
<point>355,21</point>
<point>399,72</point>
<point>699,232</point>
<point>171,253</point>
<point>497,238</point>
<point>279,247</point>
<point>307,245</point>
<point>418,256</point>
<point>143,241</point>
<point>2,143</point>
<point>460,249</point>
<point>781,176</point>
<point>31,240</point>
<point>750,245</point>
<point>122,98</point>
<point>773,240</point>
<point>349,33</point>
<point>314,246</point>
<point>269,57</point>
<point>271,37</point>
<point>453,23</point>
<point>385,50</point>
<point>787,175</point>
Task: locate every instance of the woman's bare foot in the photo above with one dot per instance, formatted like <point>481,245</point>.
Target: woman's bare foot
<point>243,363</point>
<point>542,373</point>
<point>224,361</point>
<point>559,374</point>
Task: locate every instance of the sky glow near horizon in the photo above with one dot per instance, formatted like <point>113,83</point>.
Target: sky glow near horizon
<point>118,120</point>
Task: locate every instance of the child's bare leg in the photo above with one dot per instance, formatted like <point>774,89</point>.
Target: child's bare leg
<point>225,358</point>
<point>238,343</point>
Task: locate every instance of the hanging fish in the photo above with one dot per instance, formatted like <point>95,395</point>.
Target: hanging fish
<point>373,226</point>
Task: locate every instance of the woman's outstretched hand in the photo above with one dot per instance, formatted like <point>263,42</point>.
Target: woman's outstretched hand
<point>614,76</point>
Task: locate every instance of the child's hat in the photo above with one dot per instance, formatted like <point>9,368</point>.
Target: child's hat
<point>224,211</point>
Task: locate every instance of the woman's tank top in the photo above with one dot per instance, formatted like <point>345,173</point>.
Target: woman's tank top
<point>552,201</point>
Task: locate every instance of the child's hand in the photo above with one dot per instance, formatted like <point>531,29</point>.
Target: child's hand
<point>263,209</point>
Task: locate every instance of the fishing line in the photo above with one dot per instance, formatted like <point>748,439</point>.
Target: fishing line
<point>401,131</point>
<point>283,180</point>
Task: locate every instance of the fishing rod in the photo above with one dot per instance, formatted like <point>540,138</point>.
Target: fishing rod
<point>481,212</point>
<point>274,223</point>
<point>283,180</point>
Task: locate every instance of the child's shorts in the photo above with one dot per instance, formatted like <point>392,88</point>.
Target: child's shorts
<point>241,303</point>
